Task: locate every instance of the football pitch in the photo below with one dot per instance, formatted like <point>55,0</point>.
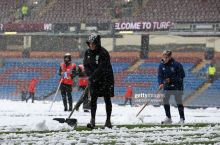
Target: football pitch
<point>200,133</point>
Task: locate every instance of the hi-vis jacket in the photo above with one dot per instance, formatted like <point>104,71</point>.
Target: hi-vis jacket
<point>69,72</point>
<point>83,79</point>
<point>212,70</point>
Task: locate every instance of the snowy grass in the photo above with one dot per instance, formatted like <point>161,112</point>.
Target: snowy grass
<point>27,123</point>
<point>119,134</point>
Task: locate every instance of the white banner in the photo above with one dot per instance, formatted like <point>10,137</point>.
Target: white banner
<point>143,25</point>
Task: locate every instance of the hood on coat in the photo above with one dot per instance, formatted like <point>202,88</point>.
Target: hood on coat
<point>94,38</point>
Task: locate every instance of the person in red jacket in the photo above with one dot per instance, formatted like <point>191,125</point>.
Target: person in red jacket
<point>83,79</point>
<point>128,95</point>
<point>82,85</point>
<point>31,89</point>
<point>67,72</point>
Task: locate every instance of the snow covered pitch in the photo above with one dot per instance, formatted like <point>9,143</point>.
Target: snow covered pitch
<point>27,123</point>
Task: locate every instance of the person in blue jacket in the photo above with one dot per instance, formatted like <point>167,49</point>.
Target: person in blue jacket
<point>170,79</point>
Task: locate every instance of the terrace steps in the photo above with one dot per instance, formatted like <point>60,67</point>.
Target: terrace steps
<point>195,94</point>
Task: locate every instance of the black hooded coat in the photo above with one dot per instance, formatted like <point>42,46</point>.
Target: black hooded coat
<point>99,70</point>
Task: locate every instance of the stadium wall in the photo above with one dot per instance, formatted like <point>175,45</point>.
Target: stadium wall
<point>170,39</point>
<point>68,43</point>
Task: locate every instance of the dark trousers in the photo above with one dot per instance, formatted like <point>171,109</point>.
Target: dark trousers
<point>66,91</point>
<point>178,99</point>
<point>84,99</point>
<point>108,107</point>
<point>128,99</point>
<point>87,103</point>
<point>211,78</point>
<point>31,95</point>
<point>23,95</point>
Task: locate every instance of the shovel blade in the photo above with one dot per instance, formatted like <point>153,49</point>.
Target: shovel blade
<point>71,121</point>
<point>60,120</point>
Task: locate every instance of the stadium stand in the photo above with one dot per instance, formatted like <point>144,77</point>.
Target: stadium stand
<point>143,79</point>
<point>16,72</point>
<point>208,98</point>
<point>75,11</point>
<point>99,11</point>
<point>179,11</point>
<point>19,72</point>
<point>7,9</point>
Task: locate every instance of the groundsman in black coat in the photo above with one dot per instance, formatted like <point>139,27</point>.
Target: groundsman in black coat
<point>101,79</point>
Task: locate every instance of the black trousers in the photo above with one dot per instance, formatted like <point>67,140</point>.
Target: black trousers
<point>178,98</point>
<point>128,99</point>
<point>108,107</point>
<point>31,95</point>
<point>23,95</point>
<point>66,92</point>
<point>211,78</point>
<point>84,99</point>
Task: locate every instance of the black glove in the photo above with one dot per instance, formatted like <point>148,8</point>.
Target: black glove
<point>167,81</point>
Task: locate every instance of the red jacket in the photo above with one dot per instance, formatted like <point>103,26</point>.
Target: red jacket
<point>129,93</point>
<point>83,79</point>
<point>70,69</point>
<point>32,86</point>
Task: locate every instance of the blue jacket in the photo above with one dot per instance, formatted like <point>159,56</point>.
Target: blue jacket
<point>174,71</point>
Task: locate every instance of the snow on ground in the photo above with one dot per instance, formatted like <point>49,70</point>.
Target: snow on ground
<point>18,118</point>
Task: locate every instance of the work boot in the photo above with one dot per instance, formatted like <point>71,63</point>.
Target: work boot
<point>32,98</point>
<point>91,124</point>
<point>85,110</point>
<point>181,122</point>
<point>108,123</point>
<point>65,104</point>
<point>70,104</point>
<point>70,107</point>
<point>65,108</point>
<point>167,121</point>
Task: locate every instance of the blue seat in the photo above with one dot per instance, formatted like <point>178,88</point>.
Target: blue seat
<point>208,98</point>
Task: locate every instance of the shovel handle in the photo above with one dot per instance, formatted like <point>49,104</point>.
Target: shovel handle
<point>77,102</point>
<point>142,109</point>
<point>54,98</point>
<point>147,103</point>
<point>72,112</point>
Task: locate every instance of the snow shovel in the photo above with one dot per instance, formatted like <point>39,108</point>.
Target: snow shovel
<point>70,121</point>
<point>54,98</point>
<point>147,103</point>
